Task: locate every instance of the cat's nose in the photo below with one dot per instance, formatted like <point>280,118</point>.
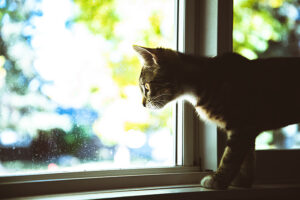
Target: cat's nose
<point>144,102</point>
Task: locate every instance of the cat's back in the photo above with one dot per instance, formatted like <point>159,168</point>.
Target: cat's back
<point>274,72</point>
<point>264,91</point>
<point>281,68</point>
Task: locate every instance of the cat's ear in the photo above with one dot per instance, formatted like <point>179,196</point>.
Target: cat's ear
<point>148,54</point>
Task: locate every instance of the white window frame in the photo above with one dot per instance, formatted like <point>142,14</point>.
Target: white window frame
<point>189,167</point>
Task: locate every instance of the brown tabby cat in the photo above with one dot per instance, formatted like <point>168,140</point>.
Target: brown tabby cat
<point>243,97</point>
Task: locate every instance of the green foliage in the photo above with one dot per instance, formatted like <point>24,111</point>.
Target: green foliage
<point>153,35</point>
<point>94,89</point>
<point>17,80</point>
<point>16,67</point>
<point>125,72</point>
<point>164,119</point>
<point>256,23</point>
<point>155,21</point>
<point>99,16</point>
<point>136,126</point>
<point>76,138</point>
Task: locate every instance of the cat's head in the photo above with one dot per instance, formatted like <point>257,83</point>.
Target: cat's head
<point>157,81</point>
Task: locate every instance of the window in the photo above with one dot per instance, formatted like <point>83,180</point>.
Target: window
<point>183,167</point>
<point>68,86</point>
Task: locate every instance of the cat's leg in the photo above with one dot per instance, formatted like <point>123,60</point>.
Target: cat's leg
<point>245,176</point>
<point>238,144</point>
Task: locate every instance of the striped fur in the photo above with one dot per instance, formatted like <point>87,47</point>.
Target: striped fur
<point>243,97</point>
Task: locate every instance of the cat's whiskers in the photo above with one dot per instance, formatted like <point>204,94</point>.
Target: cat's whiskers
<point>159,96</point>
<point>158,103</point>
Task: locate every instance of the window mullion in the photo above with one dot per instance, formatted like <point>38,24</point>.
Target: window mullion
<point>197,25</point>
<point>201,37</point>
<point>186,120</point>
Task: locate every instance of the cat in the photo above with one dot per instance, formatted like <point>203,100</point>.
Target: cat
<point>241,96</point>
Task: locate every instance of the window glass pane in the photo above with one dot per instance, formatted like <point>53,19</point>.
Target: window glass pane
<point>269,28</point>
<point>69,99</point>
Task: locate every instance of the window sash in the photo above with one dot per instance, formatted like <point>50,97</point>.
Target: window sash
<point>188,169</point>
<point>199,37</point>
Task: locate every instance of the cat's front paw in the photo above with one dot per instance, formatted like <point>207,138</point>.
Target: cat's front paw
<point>211,182</point>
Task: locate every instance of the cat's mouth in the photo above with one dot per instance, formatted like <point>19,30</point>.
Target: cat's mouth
<point>157,104</point>
<point>154,106</point>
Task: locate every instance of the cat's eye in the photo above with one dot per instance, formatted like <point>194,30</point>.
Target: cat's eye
<point>147,86</point>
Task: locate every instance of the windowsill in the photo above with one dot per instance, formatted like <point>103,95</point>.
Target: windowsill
<point>170,184</point>
<point>190,192</point>
<point>103,181</point>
